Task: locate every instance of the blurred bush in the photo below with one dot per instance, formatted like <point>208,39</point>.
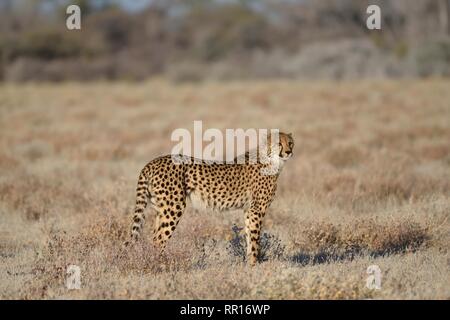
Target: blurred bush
<point>201,40</point>
<point>48,44</point>
<point>433,58</point>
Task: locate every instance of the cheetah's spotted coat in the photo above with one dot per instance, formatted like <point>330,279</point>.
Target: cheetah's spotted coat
<point>219,186</point>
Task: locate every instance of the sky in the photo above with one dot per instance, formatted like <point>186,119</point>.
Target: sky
<point>133,5</point>
<point>130,5</point>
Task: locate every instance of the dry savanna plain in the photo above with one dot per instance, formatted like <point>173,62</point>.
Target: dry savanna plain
<point>369,184</point>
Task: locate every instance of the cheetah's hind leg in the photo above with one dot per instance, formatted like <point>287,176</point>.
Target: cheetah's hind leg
<point>168,216</point>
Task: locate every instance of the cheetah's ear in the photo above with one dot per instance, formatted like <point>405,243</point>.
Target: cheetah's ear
<point>290,135</point>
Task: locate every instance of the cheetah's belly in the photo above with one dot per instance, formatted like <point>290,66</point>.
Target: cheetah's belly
<point>197,201</point>
<point>202,202</point>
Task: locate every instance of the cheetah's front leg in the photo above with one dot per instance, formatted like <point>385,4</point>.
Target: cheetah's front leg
<point>253,223</point>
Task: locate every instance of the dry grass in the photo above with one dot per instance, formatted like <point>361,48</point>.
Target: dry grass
<point>369,184</point>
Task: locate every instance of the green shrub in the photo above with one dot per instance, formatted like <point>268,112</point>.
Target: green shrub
<point>48,44</point>
<point>433,58</point>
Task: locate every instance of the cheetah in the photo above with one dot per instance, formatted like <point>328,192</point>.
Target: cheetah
<point>247,185</point>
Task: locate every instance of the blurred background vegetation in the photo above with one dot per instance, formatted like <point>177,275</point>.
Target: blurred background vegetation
<point>195,40</point>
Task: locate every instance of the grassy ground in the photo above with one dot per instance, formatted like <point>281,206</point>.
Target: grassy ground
<point>369,184</point>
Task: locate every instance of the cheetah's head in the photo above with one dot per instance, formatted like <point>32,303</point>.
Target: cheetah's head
<point>286,145</point>
<point>284,148</point>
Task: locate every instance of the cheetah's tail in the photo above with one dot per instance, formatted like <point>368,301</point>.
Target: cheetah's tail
<point>142,194</point>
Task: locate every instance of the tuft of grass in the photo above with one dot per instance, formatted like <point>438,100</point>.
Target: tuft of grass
<point>321,242</point>
<point>271,247</point>
<point>345,156</point>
